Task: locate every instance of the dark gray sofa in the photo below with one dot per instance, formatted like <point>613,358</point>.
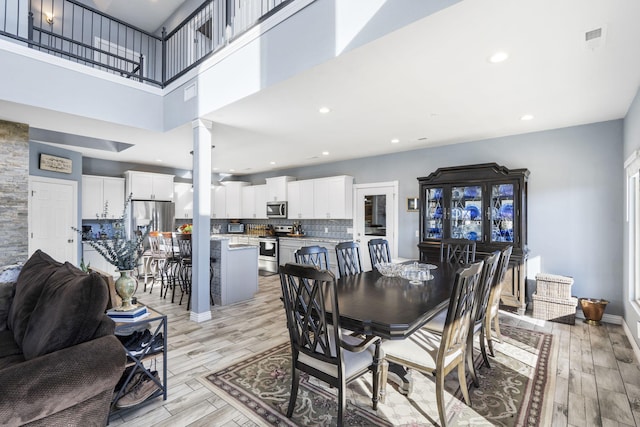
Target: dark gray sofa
<point>59,358</point>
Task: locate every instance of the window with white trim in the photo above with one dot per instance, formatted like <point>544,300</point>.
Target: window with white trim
<point>632,169</point>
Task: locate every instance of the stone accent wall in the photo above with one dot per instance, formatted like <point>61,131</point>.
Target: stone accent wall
<point>14,189</point>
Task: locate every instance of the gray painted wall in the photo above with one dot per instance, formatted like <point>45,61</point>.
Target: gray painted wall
<point>631,143</point>
<point>574,183</point>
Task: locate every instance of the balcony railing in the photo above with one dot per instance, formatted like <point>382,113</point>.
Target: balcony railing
<point>71,30</point>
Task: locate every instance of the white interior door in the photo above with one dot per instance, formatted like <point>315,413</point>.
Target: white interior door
<point>375,216</point>
<point>53,210</point>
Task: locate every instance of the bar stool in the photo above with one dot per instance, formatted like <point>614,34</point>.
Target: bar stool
<point>184,245</point>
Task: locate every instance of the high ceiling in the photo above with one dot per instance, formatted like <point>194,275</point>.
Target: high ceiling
<point>427,84</point>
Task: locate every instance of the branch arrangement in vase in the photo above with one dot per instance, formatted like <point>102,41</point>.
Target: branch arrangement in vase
<point>118,250</point>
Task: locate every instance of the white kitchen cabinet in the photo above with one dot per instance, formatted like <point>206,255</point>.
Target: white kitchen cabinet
<point>233,198</point>
<point>98,190</point>
<point>288,246</point>
<point>218,201</point>
<point>92,258</point>
<point>227,200</point>
<point>149,186</point>
<point>333,197</point>
<point>300,204</point>
<point>254,202</point>
<point>277,188</point>
<point>183,198</point>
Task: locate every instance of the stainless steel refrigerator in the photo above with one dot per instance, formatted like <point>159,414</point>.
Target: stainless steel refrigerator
<point>148,215</point>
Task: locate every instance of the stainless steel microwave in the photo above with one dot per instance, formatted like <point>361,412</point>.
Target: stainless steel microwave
<point>276,209</point>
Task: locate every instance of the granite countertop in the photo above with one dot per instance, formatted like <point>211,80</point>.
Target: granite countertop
<point>236,246</point>
<point>316,239</point>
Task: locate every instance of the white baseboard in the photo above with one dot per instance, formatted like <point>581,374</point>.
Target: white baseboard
<point>632,340</point>
<point>200,317</point>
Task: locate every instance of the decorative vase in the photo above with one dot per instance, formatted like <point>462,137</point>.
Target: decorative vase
<point>593,310</point>
<point>126,286</point>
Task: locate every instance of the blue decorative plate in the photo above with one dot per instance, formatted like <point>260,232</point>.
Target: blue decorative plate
<point>471,192</point>
<point>472,235</point>
<point>473,211</point>
<point>437,213</point>
<point>505,190</point>
<point>437,193</point>
<point>506,211</point>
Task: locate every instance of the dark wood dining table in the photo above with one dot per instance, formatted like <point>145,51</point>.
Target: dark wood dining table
<point>391,307</point>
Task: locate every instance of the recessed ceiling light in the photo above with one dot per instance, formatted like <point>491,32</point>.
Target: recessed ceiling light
<point>324,110</point>
<point>158,160</point>
<point>273,163</point>
<point>232,170</point>
<point>498,57</point>
<point>526,117</point>
<point>325,153</point>
<point>395,140</point>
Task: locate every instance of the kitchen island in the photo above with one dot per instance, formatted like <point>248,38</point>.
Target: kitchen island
<point>235,271</point>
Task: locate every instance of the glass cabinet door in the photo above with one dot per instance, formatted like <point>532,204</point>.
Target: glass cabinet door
<point>501,210</point>
<point>434,214</point>
<point>466,212</point>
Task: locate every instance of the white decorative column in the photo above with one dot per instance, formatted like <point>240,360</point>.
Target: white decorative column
<point>200,290</point>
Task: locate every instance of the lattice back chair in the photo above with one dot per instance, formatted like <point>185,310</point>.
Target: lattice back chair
<point>457,251</point>
<point>313,255</point>
<point>487,279</point>
<point>493,304</point>
<point>379,251</point>
<point>348,254</point>
<point>318,346</point>
<point>439,354</point>
<point>184,273</point>
<point>436,324</point>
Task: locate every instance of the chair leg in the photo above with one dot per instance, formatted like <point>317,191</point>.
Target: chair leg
<point>463,383</point>
<point>497,327</point>
<point>440,397</point>
<point>376,377</point>
<point>469,357</point>
<point>342,402</point>
<point>483,348</point>
<point>382,380</point>
<point>295,382</point>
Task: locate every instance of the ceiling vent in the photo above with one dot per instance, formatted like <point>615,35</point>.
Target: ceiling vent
<point>594,39</point>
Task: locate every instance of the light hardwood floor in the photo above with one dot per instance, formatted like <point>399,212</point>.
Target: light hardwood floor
<point>597,382</point>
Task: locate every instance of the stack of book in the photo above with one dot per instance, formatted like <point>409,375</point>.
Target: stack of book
<point>128,316</point>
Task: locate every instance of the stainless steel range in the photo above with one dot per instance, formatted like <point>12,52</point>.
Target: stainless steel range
<point>268,254</point>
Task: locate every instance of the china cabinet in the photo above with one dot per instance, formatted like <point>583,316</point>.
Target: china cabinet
<point>485,203</point>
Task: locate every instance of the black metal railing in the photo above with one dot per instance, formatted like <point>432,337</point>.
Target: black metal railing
<point>71,30</point>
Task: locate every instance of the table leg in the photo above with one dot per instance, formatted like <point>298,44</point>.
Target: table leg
<point>401,377</point>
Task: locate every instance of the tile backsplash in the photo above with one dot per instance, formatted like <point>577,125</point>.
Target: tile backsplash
<point>336,228</point>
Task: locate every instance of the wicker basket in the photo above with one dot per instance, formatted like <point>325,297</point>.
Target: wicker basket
<point>554,286</point>
<point>561,310</point>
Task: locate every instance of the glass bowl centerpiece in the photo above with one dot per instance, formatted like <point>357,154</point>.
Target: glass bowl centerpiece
<point>417,273</point>
<point>119,250</point>
<point>388,269</point>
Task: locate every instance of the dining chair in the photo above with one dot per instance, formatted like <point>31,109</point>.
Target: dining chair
<point>379,251</point>
<point>457,251</point>
<point>172,264</point>
<point>480,301</point>
<point>348,254</point>
<point>439,354</point>
<point>493,304</point>
<point>313,255</point>
<point>184,273</point>
<point>318,346</point>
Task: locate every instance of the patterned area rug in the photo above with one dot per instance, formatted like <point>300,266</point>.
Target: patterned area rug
<point>512,392</point>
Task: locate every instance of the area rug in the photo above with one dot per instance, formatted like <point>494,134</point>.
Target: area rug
<point>515,391</point>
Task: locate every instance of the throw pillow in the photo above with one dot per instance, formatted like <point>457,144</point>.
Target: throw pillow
<point>69,312</point>
<point>10,273</point>
<point>6,296</point>
<point>31,280</point>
